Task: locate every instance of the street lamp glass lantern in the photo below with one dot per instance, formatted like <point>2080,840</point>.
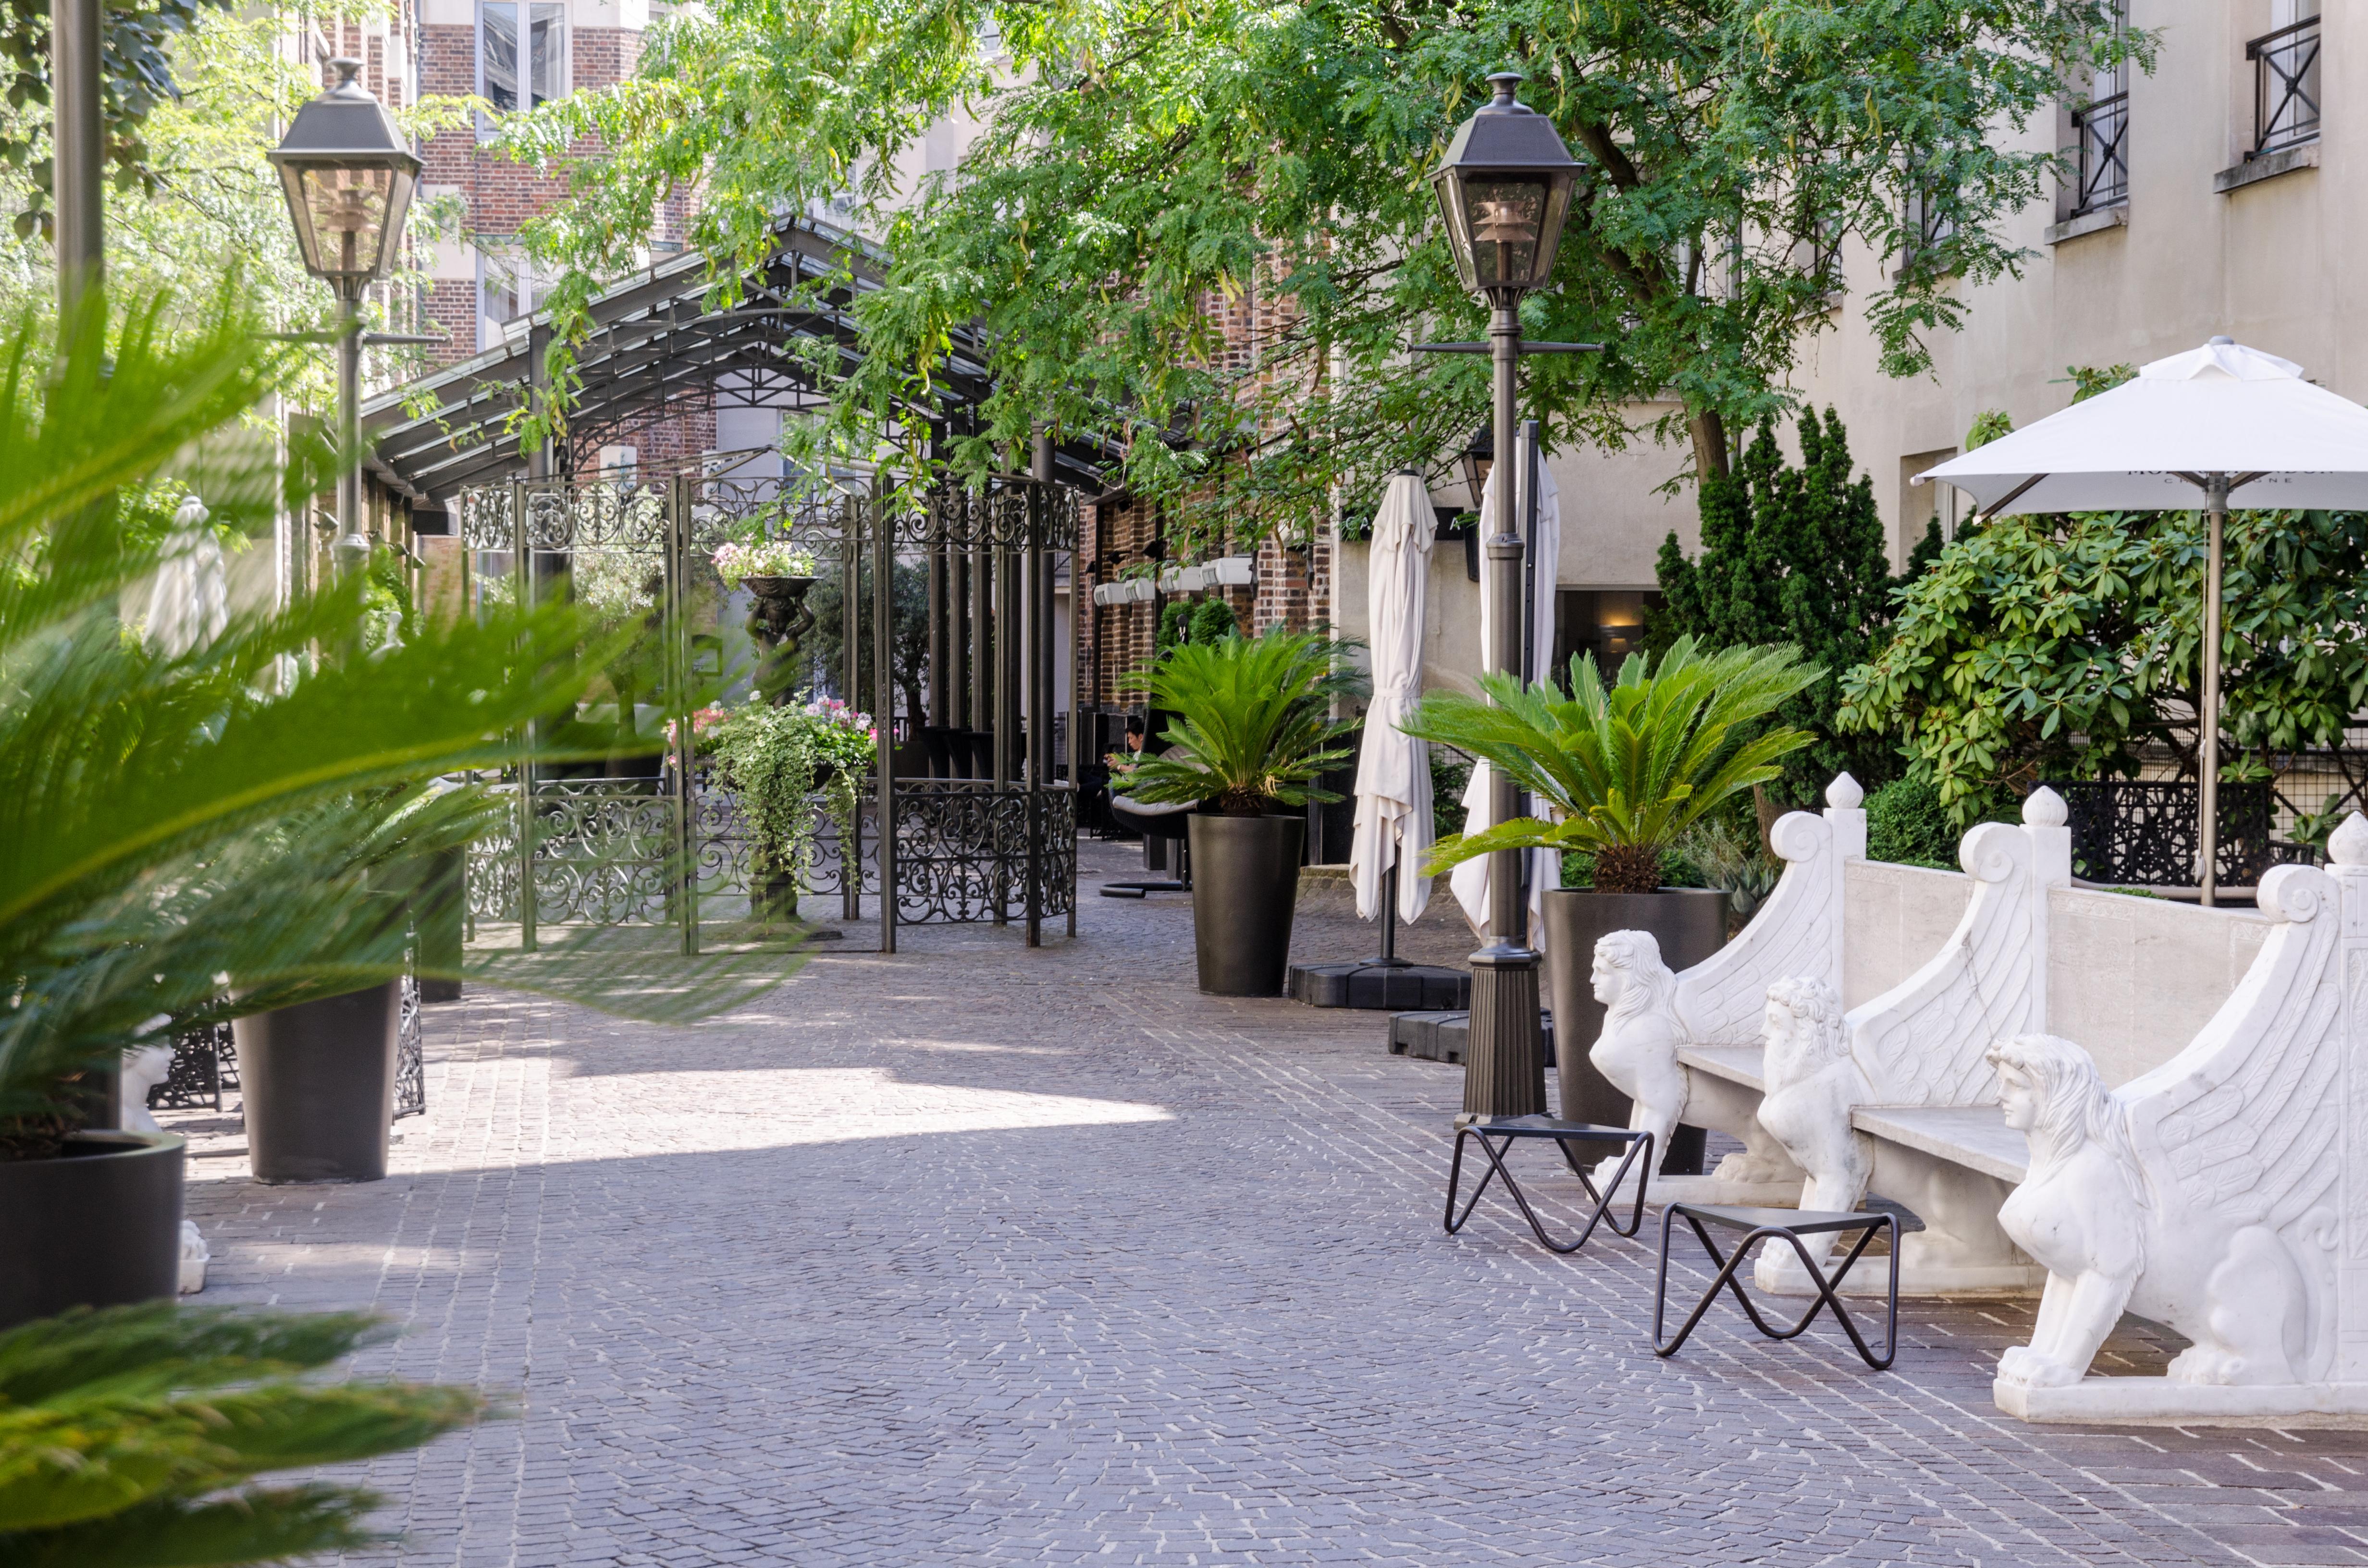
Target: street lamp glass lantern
<point>1479,455</point>
<point>348,176</point>
<point>1504,192</point>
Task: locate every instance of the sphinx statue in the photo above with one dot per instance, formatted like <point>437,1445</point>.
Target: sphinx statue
<point>1637,1053</point>
<point>2208,1211</point>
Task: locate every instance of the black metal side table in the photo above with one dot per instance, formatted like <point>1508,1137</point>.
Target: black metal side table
<point>1791,1224</point>
<point>1507,1129</point>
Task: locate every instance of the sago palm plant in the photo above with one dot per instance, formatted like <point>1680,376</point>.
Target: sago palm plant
<point>1254,721</point>
<point>132,1437</point>
<point>1626,769</point>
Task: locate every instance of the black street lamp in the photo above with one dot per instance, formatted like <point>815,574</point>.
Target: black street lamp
<point>348,174</point>
<point>1504,190</point>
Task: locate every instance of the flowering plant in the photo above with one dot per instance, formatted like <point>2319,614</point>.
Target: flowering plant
<point>702,723</point>
<point>778,759</point>
<point>762,557</point>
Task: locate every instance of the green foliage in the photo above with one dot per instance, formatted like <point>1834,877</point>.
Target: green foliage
<point>131,1437</point>
<point>249,807</point>
<point>908,637</point>
<point>2087,380</point>
<point>1677,870</point>
<point>1450,775</point>
<point>1625,770</point>
<point>1731,862</point>
<point>2061,647</point>
<point>1987,427</point>
<point>777,758</point>
<point>1213,618</point>
<point>1907,823</point>
<point>1253,724</point>
<point>1137,161</point>
<point>1794,555</point>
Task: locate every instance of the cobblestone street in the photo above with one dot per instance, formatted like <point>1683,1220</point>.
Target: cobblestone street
<point>975,1254</point>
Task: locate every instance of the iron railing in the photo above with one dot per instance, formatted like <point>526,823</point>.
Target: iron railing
<point>2285,87</point>
<point>2142,832</point>
<point>2103,128</point>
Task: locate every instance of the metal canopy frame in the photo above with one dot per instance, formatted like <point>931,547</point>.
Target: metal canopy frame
<point>657,343</point>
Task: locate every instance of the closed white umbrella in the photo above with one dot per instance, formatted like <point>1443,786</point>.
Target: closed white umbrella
<point>188,604</point>
<point>1470,880</point>
<point>2222,420</point>
<point>1393,769</point>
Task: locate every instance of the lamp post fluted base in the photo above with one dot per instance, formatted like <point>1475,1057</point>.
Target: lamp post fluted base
<point>1505,1059</point>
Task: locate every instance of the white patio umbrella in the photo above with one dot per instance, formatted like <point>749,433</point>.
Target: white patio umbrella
<point>1393,769</point>
<point>1470,880</point>
<point>2219,420</point>
<point>188,604</point>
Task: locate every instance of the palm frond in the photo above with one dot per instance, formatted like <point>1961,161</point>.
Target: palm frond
<point>1253,724</point>
<point>1632,763</point>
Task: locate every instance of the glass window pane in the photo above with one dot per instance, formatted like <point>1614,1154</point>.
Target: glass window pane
<point>497,54</point>
<point>549,52</point>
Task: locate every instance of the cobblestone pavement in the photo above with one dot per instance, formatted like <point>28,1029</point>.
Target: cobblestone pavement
<point>983,1255</point>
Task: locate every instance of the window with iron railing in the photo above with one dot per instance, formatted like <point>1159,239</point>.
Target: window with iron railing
<point>2103,128</point>
<point>2285,87</point>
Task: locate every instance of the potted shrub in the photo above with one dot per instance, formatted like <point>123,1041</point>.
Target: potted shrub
<point>1253,729</point>
<point>1625,772</point>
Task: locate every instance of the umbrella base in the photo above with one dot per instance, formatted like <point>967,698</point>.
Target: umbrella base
<point>1440,1036</point>
<point>1389,987</point>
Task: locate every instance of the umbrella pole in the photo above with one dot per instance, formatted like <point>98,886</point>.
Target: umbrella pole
<point>2207,728</point>
<point>1389,959</point>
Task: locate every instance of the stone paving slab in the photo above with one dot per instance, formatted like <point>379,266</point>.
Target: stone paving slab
<point>982,1255</point>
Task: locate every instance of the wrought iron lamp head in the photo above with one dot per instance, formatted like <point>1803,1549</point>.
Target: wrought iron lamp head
<point>1479,455</point>
<point>1504,190</point>
<point>347,174</point>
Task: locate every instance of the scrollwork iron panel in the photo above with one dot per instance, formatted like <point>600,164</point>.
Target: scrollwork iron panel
<point>410,1055</point>
<point>2142,832</point>
<point>603,852</point>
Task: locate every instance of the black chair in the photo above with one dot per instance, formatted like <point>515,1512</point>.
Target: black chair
<point>1509,1130</point>
<point>1791,1225</point>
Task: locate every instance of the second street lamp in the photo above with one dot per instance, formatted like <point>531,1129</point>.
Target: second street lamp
<point>348,174</point>
<point>1504,191</point>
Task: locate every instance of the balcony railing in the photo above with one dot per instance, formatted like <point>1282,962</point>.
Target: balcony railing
<point>2285,87</point>
<point>2103,128</point>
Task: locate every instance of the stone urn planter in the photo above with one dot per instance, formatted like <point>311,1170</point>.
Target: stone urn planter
<point>1689,923</point>
<point>318,1082</point>
<point>1245,886</point>
<point>96,1226</point>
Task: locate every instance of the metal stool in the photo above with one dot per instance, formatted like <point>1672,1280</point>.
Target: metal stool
<point>1758,1224</point>
<point>1565,1134</point>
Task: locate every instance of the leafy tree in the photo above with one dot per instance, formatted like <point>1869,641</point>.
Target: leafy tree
<point>1144,170</point>
<point>1791,554</point>
<point>134,1436</point>
<point>908,637</point>
<point>2045,647</point>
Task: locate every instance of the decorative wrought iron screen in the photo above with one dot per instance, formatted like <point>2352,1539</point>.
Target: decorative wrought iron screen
<point>2285,87</point>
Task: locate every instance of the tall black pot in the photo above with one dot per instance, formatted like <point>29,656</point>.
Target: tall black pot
<point>441,918</point>
<point>1245,884</point>
<point>97,1226</point>
<point>1689,923</point>
<point>318,1082</point>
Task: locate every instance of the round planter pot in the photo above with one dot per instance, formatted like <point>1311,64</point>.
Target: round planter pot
<point>1689,923</point>
<point>1245,883</point>
<point>318,1082</point>
<point>97,1226</point>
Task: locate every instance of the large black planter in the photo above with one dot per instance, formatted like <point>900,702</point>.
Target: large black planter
<point>1688,923</point>
<point>1245,883</point>
<point>318,1082</point>
<point>441,918</point>
<point>98,1226</point>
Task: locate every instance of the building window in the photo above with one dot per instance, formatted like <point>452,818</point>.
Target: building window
<point>521,52</point>
<point>507,287</point>
<point>2102,129</point>
<point>2286,79</point>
